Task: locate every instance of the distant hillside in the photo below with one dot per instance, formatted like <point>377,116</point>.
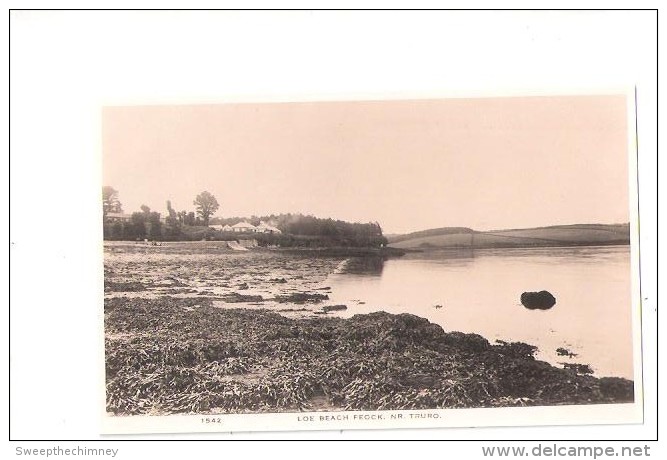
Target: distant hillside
<point>558,235</point>
<point>427,233</point>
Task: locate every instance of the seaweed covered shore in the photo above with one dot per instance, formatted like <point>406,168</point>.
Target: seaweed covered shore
<point>183,355</point>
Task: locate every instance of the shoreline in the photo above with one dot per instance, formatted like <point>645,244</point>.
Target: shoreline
<point>184,355</point>
<point>299,286</point>
<point>342,251</point>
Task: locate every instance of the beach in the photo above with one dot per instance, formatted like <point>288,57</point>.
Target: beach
<point>196,328</point>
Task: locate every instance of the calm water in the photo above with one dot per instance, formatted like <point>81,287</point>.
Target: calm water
<point>479,292</point>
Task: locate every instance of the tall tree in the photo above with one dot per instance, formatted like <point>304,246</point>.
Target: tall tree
<point>138,227</point>
<point>110,202</point>
<point>206,205</point>
<point>182,217</point>
<point>155,226</point>
<point>173,217</point>
<point>170,210</point>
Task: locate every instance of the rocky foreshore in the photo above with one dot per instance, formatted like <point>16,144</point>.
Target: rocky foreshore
<point>183,355</point>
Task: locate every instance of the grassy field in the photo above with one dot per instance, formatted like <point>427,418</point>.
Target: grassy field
<point>564,235</point>
<point>183,355</point>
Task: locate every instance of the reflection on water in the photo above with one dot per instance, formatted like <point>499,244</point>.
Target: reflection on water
<point>372,266</point>
<point>459,257</point>
<point>479,291</point>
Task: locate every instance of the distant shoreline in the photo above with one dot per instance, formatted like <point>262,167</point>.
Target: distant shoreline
<point>388,251</point>
<point>533,246</point>
<point>555,236</point>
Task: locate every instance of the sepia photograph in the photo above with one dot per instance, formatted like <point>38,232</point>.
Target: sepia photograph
<point>389,225</point>
<point>370,260</point>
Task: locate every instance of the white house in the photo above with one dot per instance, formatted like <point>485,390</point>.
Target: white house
<point>243,227</point>
<point>118,217</point>
<point>263,227</point>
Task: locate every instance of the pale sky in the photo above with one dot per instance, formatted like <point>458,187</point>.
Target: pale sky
<point>410,165</point>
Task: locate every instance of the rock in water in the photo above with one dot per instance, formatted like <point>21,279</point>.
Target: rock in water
<point>328,308</point>
<point>542,300</point>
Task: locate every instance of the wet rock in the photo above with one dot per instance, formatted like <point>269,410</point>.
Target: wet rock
<point>235,297</point>
<point>328,308</point>
<point>578,368</point>
<point>542,300</point>
<point>468,342</point>
<point>560,351</point>
<point>279,280</point>
<point>617,389</point>
<point>301,297</point>
<point>172,282</point>
<point>517,350</point>
<point>131,286</point>
<point>183,291</point>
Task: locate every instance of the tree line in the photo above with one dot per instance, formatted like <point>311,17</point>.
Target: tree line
<point>297,229</point>
<point>149,224</point>
<point>307,230</point>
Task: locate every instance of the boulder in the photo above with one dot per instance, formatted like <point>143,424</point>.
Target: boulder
<point>542,300</point>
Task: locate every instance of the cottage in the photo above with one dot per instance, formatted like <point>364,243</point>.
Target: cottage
<point>243,227</point>
<point>118,217</point>
<point>264,227</point>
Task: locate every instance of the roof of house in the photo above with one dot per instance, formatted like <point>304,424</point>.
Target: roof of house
<point>121,215</point>
<point>268,227</point>
<point>243,225</point>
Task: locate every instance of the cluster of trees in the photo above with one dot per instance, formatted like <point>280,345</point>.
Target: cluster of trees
<point>149,224</point>
<point>205,204</point>
<point>306,230</point>
<point>298,229</point>
<point>144,224</point>
<point>110,201</point>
